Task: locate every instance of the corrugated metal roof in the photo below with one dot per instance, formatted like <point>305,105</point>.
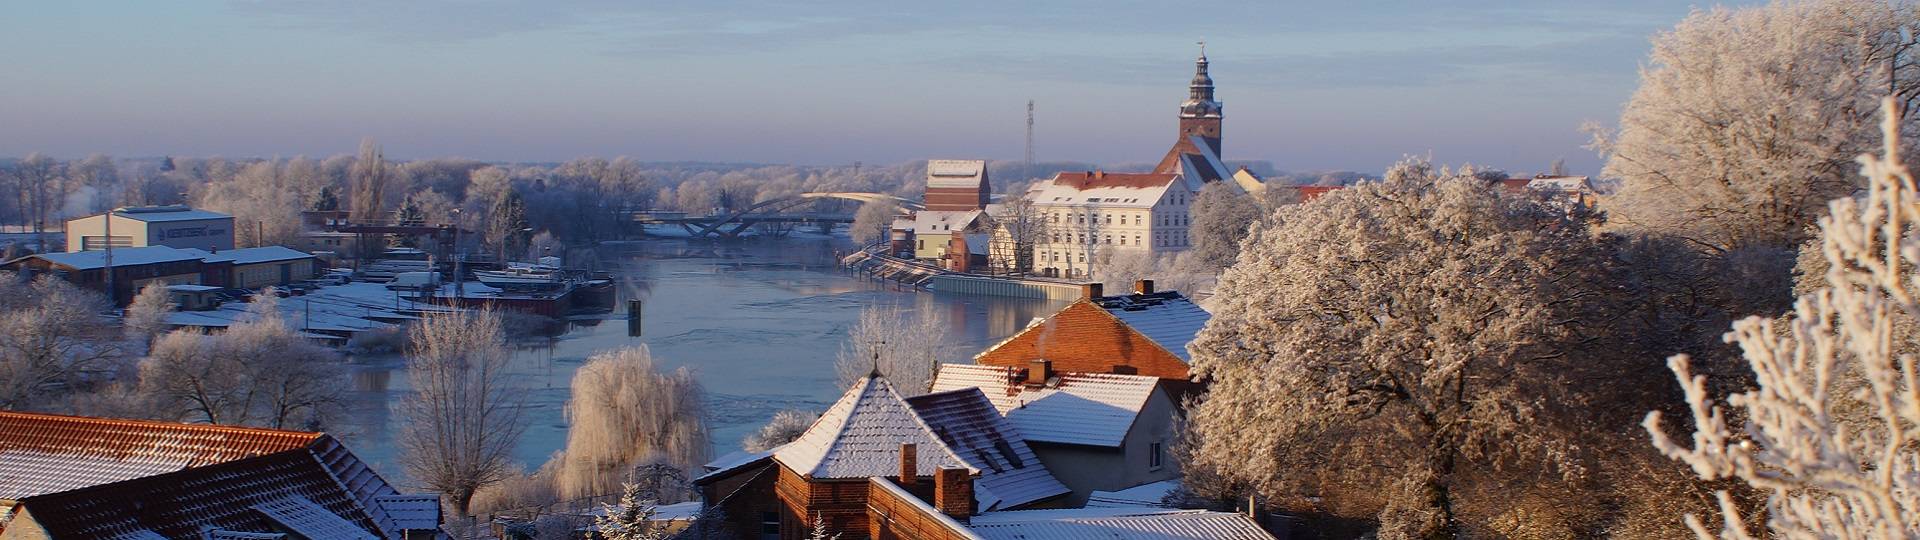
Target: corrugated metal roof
<point>1093,409</point>
<point>254,255</point>
<point>44,453</point>
<point>1010,474</point>
<point>1116,523</point>
<point>1134,497</point>
<point>168,213</point>
<point>860,437</point>
<point>1167,318</point>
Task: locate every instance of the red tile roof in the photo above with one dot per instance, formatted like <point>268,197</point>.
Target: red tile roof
<point>1099,179</point>
<point>46,453</point>
<point>1083,337</point>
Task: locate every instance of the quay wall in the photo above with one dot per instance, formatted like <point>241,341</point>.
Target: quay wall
<point>1019,288</point>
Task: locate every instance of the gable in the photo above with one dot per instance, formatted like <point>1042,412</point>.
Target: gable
<point>1085,338</point>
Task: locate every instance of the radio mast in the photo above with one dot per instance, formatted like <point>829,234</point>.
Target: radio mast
<point>1029,170</point>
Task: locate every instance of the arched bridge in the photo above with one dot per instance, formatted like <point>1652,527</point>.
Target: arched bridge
<point>730,224</point>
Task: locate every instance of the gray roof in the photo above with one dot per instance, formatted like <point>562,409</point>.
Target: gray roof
<point>1089,409</point>
<point>1116,523</point>
<point>154,214</point>
<point>94,260</point>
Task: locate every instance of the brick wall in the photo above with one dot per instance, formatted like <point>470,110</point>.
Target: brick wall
<point>894,517</point>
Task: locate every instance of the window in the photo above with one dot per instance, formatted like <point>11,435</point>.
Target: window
<point>923,243</point>
<point>1109,219</point>
<point>770,524</point>
<point>1153,456</point>
<point>1106,239</point>
<point>1123,239</point>
<point>1083,257</point>
<point>1136,240</point>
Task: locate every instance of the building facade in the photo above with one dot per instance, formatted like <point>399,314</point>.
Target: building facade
<point>141,226</point>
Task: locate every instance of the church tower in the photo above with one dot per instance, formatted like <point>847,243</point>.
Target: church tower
<point>1200,113</point>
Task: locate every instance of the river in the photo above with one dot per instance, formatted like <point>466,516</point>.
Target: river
<point>758,321</point>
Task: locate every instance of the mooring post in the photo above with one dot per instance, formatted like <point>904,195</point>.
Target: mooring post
<point>633,318</point>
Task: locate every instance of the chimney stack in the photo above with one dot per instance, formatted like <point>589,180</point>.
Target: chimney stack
<point>1038,371</point>
<point>1143,286</point>
<point>953,493</point>
<point>1091,291</point>
<point>909,465</point>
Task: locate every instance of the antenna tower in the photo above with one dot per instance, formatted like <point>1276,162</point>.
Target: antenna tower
<point>1029,138</point>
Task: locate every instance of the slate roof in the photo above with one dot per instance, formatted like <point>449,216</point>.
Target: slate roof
<point>860,437</point>
<point>1115,524</point>
<point>1167,318</point>
<point>1010,474</point>
<point>180,504</point>
<point>1091,409</point>
<point>111,478</point>
<point>45,453</point>
<point>1150,494</point>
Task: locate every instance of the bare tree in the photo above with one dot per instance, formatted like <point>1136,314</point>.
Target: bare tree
<point>1830,429</point>
<point>51,339</point>
<point>464,415</point>
<point>783,428</point>
<point>625,413</point>
<point>146,317</point>
<point>259,372</point>
<point>39,177</point>
<point>903,346</point>
<point>1020,226</point>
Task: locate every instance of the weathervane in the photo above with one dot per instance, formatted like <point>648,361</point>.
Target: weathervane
<point>1203,47</point>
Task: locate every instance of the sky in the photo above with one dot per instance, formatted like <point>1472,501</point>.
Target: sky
<point>1307,85</point>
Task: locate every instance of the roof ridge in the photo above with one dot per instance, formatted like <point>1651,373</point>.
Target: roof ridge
<point>133,422</point>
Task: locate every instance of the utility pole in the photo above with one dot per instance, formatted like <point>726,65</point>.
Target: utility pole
<point>111,293</point>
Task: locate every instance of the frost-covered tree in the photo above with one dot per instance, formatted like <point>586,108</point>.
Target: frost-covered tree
<point>464,415</point>
<point>626,413</point>
<point>263,199</point>
<point>1830,428</point>
<point>1405,348</point>
<point>146,317</point>
<point>259,372</point>
<point>1747,120</point>
<point>630,519</point>
<point>51,339</point>
<point>903,346</point>
<point>1221,215</point>
<point>368,181</point>
<point>873,222</point>
<point>783,428</point>
<point>1020,225</point>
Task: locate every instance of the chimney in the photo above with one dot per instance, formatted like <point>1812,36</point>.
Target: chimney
<point>1090,291</point>
<point>909,465</point>
<point>1143,286</point>
<point>1038,371</point>
<point>953,493</point>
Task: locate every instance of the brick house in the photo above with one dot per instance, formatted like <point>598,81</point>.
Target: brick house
<point>1144,333</point>
<point>953,447</point>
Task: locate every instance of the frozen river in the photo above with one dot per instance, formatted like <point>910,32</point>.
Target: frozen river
<point>760,322</point>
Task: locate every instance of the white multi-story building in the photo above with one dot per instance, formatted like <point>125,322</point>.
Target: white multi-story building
<point>142,226</point>
<point>1092,216</point>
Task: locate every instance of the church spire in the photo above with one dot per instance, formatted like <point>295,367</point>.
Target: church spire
<point>1200,102</point>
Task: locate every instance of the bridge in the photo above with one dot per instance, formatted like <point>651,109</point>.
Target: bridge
<point>771,211</point>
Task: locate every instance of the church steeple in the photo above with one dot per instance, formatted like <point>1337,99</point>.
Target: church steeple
<point>1200,102</point>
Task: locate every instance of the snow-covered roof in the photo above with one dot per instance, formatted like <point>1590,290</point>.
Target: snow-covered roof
<point>1249,182</point>
<point>192,288</point>
<point>1150,494</point>
<point>955,173</point>
<point>733,461</point>
<point>1130,190</point>
<point>1116,523</point>
<point>93,260</point>
<point>42,453</point>
<point>153,214</point>
<point>941,222</point>
<point>255,255</point>
<point>1010,474</point>
<point>1560,183</point>
<point>411,512</point>
<point>860,437</point>
<point>1167,318</point>
<point>309,520</point>
<point>1091,409</point>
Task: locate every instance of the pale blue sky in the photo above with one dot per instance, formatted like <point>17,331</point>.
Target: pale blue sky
<point>1307,85</point>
